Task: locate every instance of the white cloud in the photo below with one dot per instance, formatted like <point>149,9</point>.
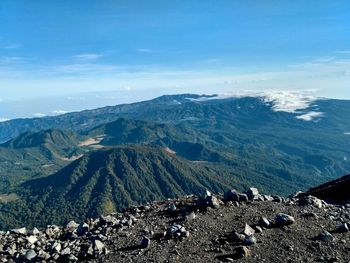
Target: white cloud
<point>4,119</point>
<point>145,50</point>
<point>287,101</point>
<point>88,56</point>
<point>312,115</point>
<point>39,115</point>
<point>59,112</point>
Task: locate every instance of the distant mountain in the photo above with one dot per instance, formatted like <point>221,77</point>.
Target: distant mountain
<point>56,137</point>
<point>88,119</point>
<point>38,154</point>
<point>105,181</point>
<point>181,139</point>
<point>299,147</point>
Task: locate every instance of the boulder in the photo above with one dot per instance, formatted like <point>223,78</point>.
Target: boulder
<point>231,195</point>
<point>284,219</point>
<point>252,193</point>
<point>310,200</point>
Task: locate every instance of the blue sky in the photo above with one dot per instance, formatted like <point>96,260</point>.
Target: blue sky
<point>60,48</point>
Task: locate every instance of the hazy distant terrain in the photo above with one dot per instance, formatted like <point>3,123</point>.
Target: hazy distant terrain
<point>278,145</point>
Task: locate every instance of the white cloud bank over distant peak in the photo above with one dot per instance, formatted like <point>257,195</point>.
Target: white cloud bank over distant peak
<point>39,115</point>
<point>285,101</point>
<point>4,119</point>
<point>59,112</point>
<point>310,116</point>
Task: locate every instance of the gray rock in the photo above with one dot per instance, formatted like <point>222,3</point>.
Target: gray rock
<point>258,229</point>
<point>21,231</point>
<point>30,254</point>
<point>249,241</point>
<point>72,226</point>
<point>83,229</point>
<point>243,251</point>
<point>32,239</point>
<point>326,236</point>
<point>145,242</point>
<point>238,237</point>
<point>248,230</point>
<point>35,231</point>
<point>56,247</point>
<point>191,216</point>
<point>343,228</point>
<point>284,219</point>
<point>310,200</point>
<point>98,246</point>
<point>66,251</point>
<point>264,222</point>
<point>231,195</point>
<point>243,197</point>
<point>172,207</point>
<point>252,193</point>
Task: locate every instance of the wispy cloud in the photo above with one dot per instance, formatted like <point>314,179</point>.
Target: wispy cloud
<point>343,52</point>
<point>329,75</point>
<point>4,119</point>
<point>146,50</point>
<point>12,46</point>
<point>11,59</point>
<point>88,56</point>
<point>310,116</point>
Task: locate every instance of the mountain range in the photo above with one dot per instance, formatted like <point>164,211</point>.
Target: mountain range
<point>103,160</point>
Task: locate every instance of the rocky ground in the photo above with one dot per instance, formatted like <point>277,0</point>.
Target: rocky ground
<point>233,227</point>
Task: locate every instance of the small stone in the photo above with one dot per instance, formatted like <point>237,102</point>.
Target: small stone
<point>343,228</point>
<point>30,254</point>
<point>264,222</point>
<point>66,251</point>
<point>172,207</point>
<point>145,242</point>
<point>258,229</point>
<point>22,231</point>
<point>238,237</point>
<point>284,219</point>
<point>248,230</point>
<point>249,241</point>
<point>56,247</point>
<point>72,226</point>
<point>326,236</point>
<point>32,239</point>
<point>83,229</point>
<point>243,252</point>
<point>98,245</point>
<point>35,231</point>
<point>191,216</point>
<point>243,197</point>
<point>73,258</point>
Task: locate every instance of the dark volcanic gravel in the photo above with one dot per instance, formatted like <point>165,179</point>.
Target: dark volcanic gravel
<point>195,230</point>
<point>210,235</point>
